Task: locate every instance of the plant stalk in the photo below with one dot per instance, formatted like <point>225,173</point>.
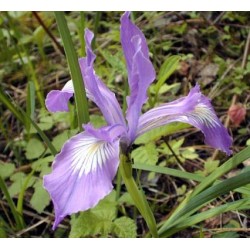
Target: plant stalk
<point>137,195</point>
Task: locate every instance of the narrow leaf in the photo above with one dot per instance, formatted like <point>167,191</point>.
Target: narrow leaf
<point>79,90</point>
<point>8,104</point>
<point>223,169</point>
<point>206,196</point>
<point>243,204</point>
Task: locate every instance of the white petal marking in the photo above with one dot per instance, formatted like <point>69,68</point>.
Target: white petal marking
<point>204,115</point>
<point>90,154</point>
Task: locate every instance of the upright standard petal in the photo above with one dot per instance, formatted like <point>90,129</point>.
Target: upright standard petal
<point>141,72</point>
<point>57,100</point>
<point>83,171</point>
<point>194,109</point>
<point>97,91</point>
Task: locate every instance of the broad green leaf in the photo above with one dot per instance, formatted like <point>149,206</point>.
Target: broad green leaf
<point>97,121</point>
<point>125,227</point>
<point>6,169</point>
<point>166,70</point>
<point>209,167</point>
<point>157,133</point>
<point>189,153</point>
<point>126,198</point>
<point>41,133</point>
<point>34,149</point>
<point>42,164</point>
<point>62,117</point>
<point>88,224</point>
<point>45,123</point>
<point>100,222</point>
<point>18,180</point>
<point>40,198</point>
<point>60,139</point>
<point>114,60</point>
<point>166,88</point>
<point>97,221</point>
<point>106,208</point>
<point>45,170</point>
<point>146,153</point>
<point>175,146</point>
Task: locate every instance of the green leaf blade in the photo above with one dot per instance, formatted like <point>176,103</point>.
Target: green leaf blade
<point>79,90</point>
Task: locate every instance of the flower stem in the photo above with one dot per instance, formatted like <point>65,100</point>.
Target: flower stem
<point>137,195</point>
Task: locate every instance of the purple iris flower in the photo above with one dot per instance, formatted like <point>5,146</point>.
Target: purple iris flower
<point>84,169</point>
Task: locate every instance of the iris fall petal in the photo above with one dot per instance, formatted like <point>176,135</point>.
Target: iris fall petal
<point>194,109</point>
<point>82,173</point>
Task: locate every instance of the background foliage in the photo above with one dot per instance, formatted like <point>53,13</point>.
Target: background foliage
<point>211,48</point>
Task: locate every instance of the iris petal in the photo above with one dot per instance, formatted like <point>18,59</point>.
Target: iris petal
<point>83,172</point>
<point>194,109</point>
<point>97,91</point>
<point>57,100</point>
<point>141,72</point>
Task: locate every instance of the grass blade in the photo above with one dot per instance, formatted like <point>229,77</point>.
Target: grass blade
<point>96,26</point>
<point>80,94</point>
<point>203,198</point>
<point>8,104</point>
<point>16,215</point>
<point>22,193</point>
<point>169,171</point>
<point>30,103</point>
<point>181,174</point>
<point>29,68</point>
<point>24,118</point>
<point>81,32</point>
<point>243,204</point>
<point>224,168</point>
